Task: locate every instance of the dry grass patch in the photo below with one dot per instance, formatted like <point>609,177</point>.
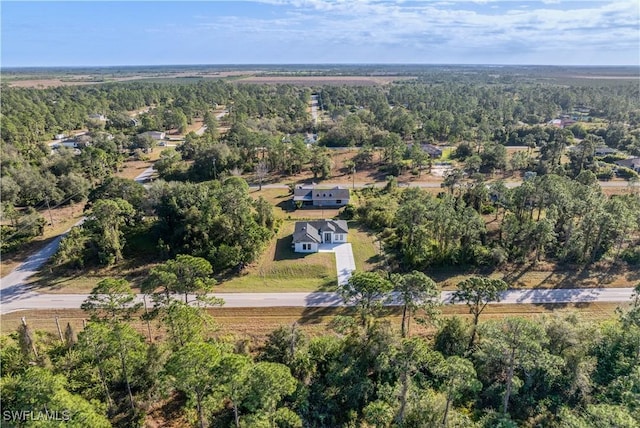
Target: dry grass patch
<point>63,219</point>
<point>545,275</point>
<point>255,324</point>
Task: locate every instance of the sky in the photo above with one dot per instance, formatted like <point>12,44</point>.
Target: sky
<point>91,33</point>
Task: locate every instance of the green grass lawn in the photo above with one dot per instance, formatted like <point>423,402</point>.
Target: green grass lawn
<point>281,269</point>
<point>365,247</point>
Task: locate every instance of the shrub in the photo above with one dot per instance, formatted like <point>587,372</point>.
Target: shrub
<point>631,256</point>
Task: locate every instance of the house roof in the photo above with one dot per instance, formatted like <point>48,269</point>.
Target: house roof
<point>320,194</point>
<point>302,194</point>
<point>605,150</point>
<point>431,149</point>
<point>309,231</point>
<point>633,163</point>
<point>330,194</point>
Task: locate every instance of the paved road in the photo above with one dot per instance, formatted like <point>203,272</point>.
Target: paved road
<point>345,263</point>
<point>31,300</point>
<point>423,184</point>
<point>13,286</point>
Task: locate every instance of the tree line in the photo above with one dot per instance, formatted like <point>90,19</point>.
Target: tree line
<point>552,371</point>
<point>550,218</point>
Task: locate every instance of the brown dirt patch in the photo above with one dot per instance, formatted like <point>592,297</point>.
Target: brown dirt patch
<point>19,81</point>
<point>255,324</point>
<point>325,80</point>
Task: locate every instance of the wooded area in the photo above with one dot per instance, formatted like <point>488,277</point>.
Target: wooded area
<point>555,371</point>
<point>199,223</point>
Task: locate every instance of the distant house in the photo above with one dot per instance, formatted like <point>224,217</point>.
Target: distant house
<point>603,151</point>
<point>308,235</point>
<point>434,151</point>
<point>97,116</point>
<point>319,197</point>
<point>561,123</point>
<point>632,163</point>
<point>60,137</point>
<point>156,135</point>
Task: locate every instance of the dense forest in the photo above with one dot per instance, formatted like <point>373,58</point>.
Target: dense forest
<point>266,127</point>
<point>199,223</point>
<point>555,371</point>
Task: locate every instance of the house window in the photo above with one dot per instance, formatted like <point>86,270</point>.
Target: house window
<point>338,201</point>
<point>306,247</point>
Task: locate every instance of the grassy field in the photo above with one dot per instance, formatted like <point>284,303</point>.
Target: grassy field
<point>365,247</point>
<point>280,269</point>
<point>254,324</point>
<point>543,276</point>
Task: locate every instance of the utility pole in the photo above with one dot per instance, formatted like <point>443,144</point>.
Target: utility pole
<point>49,209</point>
<point>353,171</point>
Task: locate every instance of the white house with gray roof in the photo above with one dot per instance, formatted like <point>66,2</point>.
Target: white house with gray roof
<point>321,197</point>
<point>308,235</point>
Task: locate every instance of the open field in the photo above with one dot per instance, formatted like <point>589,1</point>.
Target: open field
<point>324,80</point>
<point>51,80</point>
<point>255,324</point>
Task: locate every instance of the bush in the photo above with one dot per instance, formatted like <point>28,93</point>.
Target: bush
<point>487,209</point>
<point>605,174</point>
<point>349,212</point>
<point>626,173</point>
<point>631,256</point>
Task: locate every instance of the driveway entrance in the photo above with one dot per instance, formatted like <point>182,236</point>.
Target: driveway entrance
<point>345,264</point>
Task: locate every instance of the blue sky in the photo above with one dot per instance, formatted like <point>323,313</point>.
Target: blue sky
<point>320,31</point>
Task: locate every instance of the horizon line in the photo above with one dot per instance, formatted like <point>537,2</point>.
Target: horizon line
<point>325,64</point>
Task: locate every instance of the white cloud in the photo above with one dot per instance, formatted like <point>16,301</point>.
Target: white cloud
<point>464,27</point>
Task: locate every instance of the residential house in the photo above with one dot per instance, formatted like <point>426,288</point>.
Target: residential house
<point>308,235</point>
<point>97,116</point>
<point>632,163</point>
<point>434,151</point>
<point>321,197</point>
<point>561,123</point>
<point>604,151</point>
<point>156,135</point>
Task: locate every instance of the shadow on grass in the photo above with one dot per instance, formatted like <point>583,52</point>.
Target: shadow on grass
<point>285,205</point>
<point>58,277</point>
<point>284,250</point>
<point>320,315</point>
